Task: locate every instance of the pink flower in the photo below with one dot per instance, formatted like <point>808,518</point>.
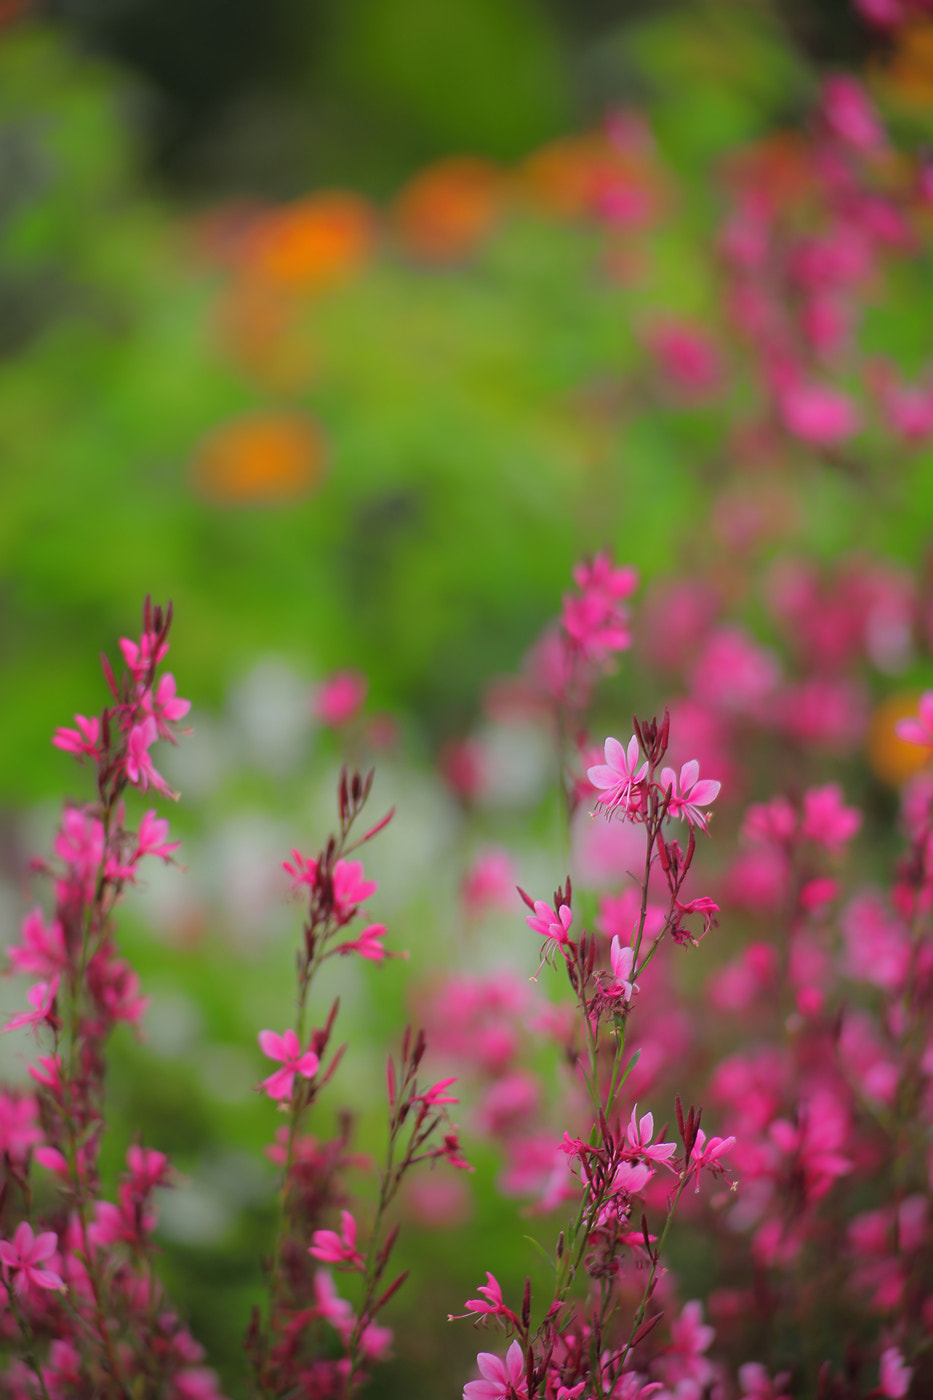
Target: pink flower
<point>80,741</point>
<point>350,888</point>
<point>706,1153</point>
<point>22,1256</point>
<point>638,1135</point>
<point>895,1376</point>
<point>622,960</point>
<point>332,1248</point>
<point>920,730</point>
<point>818,415</point>
<point>693,794</point>
<point>41,998</point>
<point>502,1380</point>
<point>340,698</point>
<point>42,950</point>
<point>618,779</point>
<point>165,706</point>
<point>555,927</point>
<point>150,839</point>
<point>368,945</point>
<point>138,765</point>
<point>295,1061</point>
<point>826,819</point>
<point>850,115</point>
<point>688,357</point>
<point>490,881</point>
<point>490,1305</point>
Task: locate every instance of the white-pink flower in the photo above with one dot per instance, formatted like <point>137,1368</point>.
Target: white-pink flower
<point>618,778</point>
<point>690,794</point>
<point>502,1380</point>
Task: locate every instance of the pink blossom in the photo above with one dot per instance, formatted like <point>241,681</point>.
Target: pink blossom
<point>336,1310</point>
<point>41,998</point>
<point>369,944</point>
<point>638,1135</point>
<point>81,741</point>
<point>692,794</point>
<point>491,1304</point>
<point>502,1380</point>
<point>489,882</point>
<point>622,960</point>
<point>819,415</point>
<point>920,730</point>
<point>509,1102</point>
<point>142,657</point>
<point>150,839</point>
<point>895,1376</point>
<point>688,357</point>
<point>601,575</point>
<point>555,927</point>
<point>706,1153</point>
<point>618,779</point>
<point>23,1254</point>
<point>165,706</point>
<point>19,1127</point>
<point>350,888</point>
<point>850,115</point>
<point>826,819</point>
<point>42,950</point>
<point>332,1248</point>
<point>340,698</point>
<point>295,1061</point>
<point>138,765</point>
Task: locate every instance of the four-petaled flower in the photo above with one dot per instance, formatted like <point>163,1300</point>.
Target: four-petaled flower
<point>693,793</point>
<point>555,927</point>
<point>502,1380</point>
<point>295,1061</point>
<point>332,1248</point>
<point>23,1254</point>
<point>618,779</point>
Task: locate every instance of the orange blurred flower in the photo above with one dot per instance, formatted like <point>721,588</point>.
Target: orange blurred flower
<point>261,458</point>
<point>891,759</point>
<point>446,210</point>
<point>314,243</point>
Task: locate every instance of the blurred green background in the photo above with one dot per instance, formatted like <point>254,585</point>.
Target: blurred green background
<point>371,429</point>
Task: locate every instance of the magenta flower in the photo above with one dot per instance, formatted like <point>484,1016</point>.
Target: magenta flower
<point>622,960</point>
<point>332,1248</point>
<point>693,794</point>
<point>638,1135</point>
<point>150,840</point>
<point>819,415</point>
<point>706,1153</point>
<point>350,888</point>
<point>42,950</point>
<point>41,998</point>
<point>920,730</point>
<point>294,1061</point>
<point>165,706</point>
<point>617,779</point>
<point>826,819</point>
<point>138,765</point>
<point>80,741</point>
<point>369,944</point>
<point>23,1255</point>
<point>340,698</point>
<point>502,1380</point>
<point>895,1376</point>
<point>555,927</point>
